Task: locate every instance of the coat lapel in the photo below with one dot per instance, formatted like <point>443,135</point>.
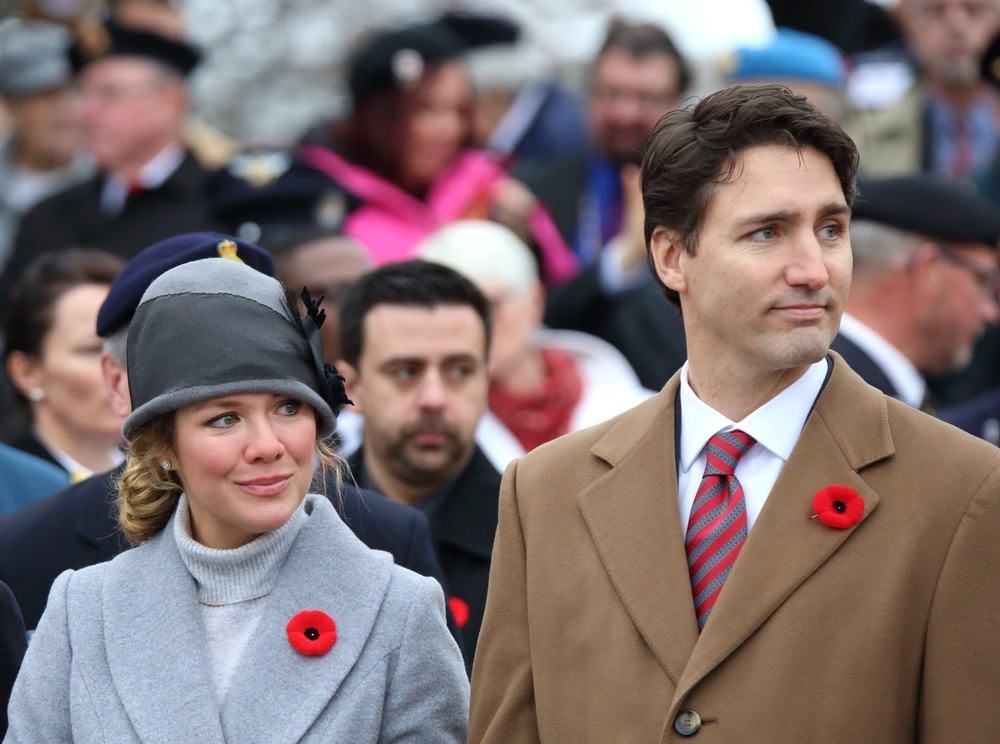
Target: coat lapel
<point>634,519</point>
<point>786,546</point>
<point>278,693</point>
<point>155,643</point>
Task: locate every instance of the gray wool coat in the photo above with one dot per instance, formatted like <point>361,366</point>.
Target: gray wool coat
<point>119,654</point>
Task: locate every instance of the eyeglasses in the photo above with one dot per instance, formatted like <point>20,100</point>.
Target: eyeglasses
<point>987,280</point>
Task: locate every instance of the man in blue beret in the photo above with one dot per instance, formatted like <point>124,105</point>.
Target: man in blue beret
<point>77,527</point>
<point>924,285</point>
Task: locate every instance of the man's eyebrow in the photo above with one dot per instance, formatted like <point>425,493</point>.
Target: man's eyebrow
<point>395,361</point>
<point>785,215</point>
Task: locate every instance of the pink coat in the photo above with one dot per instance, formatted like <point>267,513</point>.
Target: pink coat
<point>391,222</point>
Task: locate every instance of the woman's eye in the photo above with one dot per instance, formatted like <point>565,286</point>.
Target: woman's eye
<point>289,407</point>
<point>224,421</point>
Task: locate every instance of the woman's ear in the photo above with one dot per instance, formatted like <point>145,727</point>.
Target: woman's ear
<point>24,372</point>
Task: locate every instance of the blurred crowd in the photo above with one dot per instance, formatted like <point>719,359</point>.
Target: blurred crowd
<point>464,149</point>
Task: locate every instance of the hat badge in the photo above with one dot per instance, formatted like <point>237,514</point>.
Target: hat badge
<point>227,249</point>
<point>407,66</point>
<point>93,40</point>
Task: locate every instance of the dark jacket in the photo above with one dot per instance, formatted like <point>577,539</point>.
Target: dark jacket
<point>864,365</point>
<point>639,322</point>
<point>13,644</point>
<point>462,527</point>
<point>73,219</point>
<point>76,528</point>
<point>980,416</point>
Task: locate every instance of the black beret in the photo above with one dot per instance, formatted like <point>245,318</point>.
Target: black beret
<point>929,206</point>
<point>989,63</point>
<point>109,39</point>
<point>127,289</point>
<point>271,196</point>
<point>397,58</point>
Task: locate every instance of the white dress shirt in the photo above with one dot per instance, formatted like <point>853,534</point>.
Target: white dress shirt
<point>907,380</point>
<point>151,176</point>
<point>776,426</point>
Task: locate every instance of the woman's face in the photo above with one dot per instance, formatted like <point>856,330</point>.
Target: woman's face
<point>437,124</point>
<point>68,370</point>
<point>245,462</point>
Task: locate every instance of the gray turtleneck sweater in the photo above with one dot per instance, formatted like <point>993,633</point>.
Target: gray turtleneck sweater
<point>233,587</point>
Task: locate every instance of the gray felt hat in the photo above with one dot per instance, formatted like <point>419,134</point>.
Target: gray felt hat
<point>217,327</point>
<point>33,57</point>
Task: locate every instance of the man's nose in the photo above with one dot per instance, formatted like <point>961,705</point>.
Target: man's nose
<point>432,392</point>
<point>807,267</point>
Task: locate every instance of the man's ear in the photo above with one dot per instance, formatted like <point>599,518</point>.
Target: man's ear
<point>669,253</point>
<point>352,383</point>
<point>116,381</point>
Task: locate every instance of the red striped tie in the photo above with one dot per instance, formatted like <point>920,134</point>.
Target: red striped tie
<point>717,527</point>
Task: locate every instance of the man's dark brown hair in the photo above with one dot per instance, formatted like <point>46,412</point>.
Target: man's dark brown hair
<point>694,150</point>
<point>642,39</point>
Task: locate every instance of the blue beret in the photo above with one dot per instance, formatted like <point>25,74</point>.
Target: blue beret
<point>128,288</point>
<point>792,55</point>
<point>929,206</point>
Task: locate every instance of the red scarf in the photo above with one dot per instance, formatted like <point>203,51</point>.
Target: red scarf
<point>540,417</point>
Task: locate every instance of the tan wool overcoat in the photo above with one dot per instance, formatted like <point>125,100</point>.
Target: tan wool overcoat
<point>885,632</point>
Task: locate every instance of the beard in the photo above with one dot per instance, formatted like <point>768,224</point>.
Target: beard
<point>423,465</point>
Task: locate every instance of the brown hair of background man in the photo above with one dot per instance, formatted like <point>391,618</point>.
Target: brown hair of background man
<point>694,149</point>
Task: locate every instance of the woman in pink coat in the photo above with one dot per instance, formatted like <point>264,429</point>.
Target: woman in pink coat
<point>404,150</point>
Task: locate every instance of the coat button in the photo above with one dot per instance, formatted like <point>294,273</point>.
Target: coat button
<point>687,723</point>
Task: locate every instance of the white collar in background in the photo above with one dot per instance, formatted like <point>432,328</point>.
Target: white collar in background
<point>907,380</point>
<point>151,176</point>
<point>776,425</point>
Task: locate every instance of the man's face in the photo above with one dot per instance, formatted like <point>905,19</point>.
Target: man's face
<point>629,96</point>
<point>957,302</point>
<point>421,385</point>
<point>949,37</point>
<point>767,285</point>
<point>130,110</point>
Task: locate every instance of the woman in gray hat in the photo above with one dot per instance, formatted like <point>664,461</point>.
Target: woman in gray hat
<point>249,611</point>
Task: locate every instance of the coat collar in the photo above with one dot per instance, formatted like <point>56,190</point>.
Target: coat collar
<point>277,693</point>
<point>637,528</point>
<point>95,522</point>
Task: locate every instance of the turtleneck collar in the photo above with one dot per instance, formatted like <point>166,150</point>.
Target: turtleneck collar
<point>229,576</point>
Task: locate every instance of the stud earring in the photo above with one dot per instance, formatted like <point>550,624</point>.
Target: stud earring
<point>36,394</point>
<point>165,464</point>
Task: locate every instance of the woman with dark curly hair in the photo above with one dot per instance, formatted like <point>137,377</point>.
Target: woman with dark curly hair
<point>249,611</point>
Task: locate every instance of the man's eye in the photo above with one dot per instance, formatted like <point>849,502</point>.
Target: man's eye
<point>459,371</point>
<point>765,233</point>
<point>404,374</point>
<point>831,232</point>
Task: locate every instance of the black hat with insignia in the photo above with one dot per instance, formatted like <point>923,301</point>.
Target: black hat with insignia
<point>270,196</point>
<point>98,41</point>
<point>127,289</point>
<point>929,206</point>
<point>397,58</point>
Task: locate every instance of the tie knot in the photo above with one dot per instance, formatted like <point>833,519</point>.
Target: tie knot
<point>725,450</point>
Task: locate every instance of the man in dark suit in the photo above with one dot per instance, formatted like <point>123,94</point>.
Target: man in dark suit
<point>924,285</point>
<point>13,644</point>
<point>77,527</point>
<point>133,103</point>
<point>415,337</point>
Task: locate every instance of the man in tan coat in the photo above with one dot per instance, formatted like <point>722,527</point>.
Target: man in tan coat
<point>658,577</point>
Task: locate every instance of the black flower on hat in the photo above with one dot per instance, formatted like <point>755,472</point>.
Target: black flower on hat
<point>332,383</point>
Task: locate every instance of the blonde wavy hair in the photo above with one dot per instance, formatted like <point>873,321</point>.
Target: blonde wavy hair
<point>148,493</point>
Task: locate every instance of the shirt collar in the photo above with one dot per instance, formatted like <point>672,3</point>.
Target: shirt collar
<point>906,378</point>
<point>776,425</point>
